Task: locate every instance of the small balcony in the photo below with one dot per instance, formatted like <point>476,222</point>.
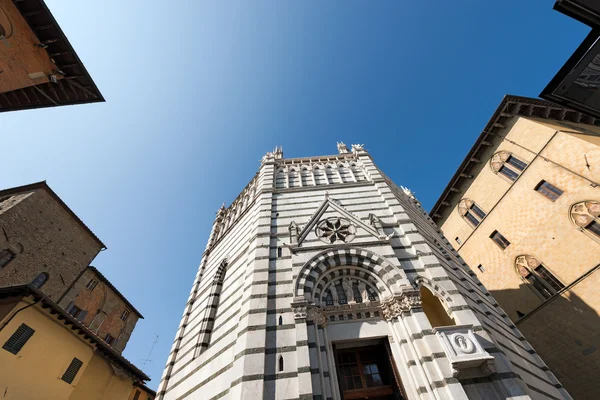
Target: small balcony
<point>465,354</point>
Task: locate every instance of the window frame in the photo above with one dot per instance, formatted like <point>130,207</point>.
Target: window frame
<point>125,314</point>
<point>539,282</point>
<point>41,274</point>
<point>91,285</point>
<point>502,241</point>
<point>548,190</point>
<point>583,215</point>
<point>509,166</point>
<point>11,256</point>
<point>73,368</point>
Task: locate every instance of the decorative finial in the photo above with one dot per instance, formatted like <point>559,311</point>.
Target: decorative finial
<point>342,148</point>
<point>358,147</point>
<point>408,192</point>
<point>278,152</point>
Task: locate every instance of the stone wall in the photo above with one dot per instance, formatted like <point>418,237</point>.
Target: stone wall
<point>45,238</point>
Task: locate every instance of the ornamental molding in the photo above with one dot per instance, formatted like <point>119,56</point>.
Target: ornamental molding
<point>464,352</point>
<point>297,235</point>
<point>394,307</point>
<point>335,229</point>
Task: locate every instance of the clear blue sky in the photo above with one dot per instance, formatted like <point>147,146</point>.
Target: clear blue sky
<point>197,91</point>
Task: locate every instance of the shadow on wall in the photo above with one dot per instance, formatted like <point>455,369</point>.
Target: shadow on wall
<point>565,332</point>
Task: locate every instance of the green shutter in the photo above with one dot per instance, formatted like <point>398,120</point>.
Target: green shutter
<point>72,370</point>
<point>18,339</point>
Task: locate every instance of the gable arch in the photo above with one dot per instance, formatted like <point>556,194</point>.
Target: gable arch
<point>355,274</point>
<point>364,260</point>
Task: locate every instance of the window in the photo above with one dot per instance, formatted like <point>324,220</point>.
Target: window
<point>471,212</point>
<point>109,339</point>
<point>18,339</point>
<point>72,370</point>
<point>280,363</point>
<point>538,276</point>
<point>91,284</point>
<point>39,280</point>
<point>125,315</point>
<point>76,312</point>
<point>548,190</point>
<point>208,323</point>
<point>280,320</point>
<point>136,396</point>
<point>458,240</point>
<point>500,240</point>
<point>509,173</point>
<point>481,268</point>
<point>586,216</point>
<point>508,165</point>
<point>6,256</point>
<point>279,252</point>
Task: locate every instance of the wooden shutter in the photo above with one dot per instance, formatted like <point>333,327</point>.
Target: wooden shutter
<point>72,370</point>
<point>18,339</point>
<point>81,315</point>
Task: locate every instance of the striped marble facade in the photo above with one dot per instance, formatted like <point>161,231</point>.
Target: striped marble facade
<point>260,322</point>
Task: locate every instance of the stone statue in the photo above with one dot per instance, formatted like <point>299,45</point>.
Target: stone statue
<point>334,295</point>
<point>408,192</point>
<point>294,232</point>
<point>342,148</point>
<point>347,285</point>
<point>362,288</point>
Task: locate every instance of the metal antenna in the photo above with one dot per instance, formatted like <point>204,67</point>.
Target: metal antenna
<point>147,360</point>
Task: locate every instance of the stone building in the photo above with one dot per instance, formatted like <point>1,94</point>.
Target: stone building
<point>523,211</point>
<point>325,280</point>
<point>100,306</point>
<point>42,241</point>
<point>45,244</point>
<point>38,65</point>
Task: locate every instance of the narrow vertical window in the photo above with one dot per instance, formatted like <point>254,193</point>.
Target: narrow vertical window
<point>6,256</point>
<point>548,190</point>
<point>506,164</point>
<point>91,284</point>
<point>136,396</point>
<point>481,268</point>
<point>39,280</point>
<point>279,252</point>
<point>15,343</point>
<point>458,240</point>
<point>500,240</point>
<point>125,315</point>
<point>280,320</point>
<point>280,363</point>
<point>210,312</point>
<point>72,371</point>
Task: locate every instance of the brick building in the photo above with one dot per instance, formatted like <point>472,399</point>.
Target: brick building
<point>95,302</point>
<point>523,211</point>
<point>38,65</point>
<point>325,280</point>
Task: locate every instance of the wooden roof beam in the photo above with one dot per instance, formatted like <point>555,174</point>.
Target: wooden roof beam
<point>45,95</point>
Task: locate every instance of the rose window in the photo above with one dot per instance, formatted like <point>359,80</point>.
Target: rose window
<point>335,229</point>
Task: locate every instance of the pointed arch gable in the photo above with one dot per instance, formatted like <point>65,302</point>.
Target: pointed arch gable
<point>364,260</point>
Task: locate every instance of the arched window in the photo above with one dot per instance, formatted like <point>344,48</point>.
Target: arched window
<point>294,179</point>
<point>345,173</point>
<point>280,363</point>
<point>320,176</point>
<point>305,177</point>
<point>39,280</point>
<point>210,312</point>
<point>586,215</point>
<point>471,212</point>
<point>332,175</point>
<point>537,276</point>
<point>434,309</point>
<point>507,165</point>
<point>358,172</point>
<point>280,180</point>
<point>280,320</point>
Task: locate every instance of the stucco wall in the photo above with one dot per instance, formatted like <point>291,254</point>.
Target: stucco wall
<point>99,382</point>
<point>35,371</point>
